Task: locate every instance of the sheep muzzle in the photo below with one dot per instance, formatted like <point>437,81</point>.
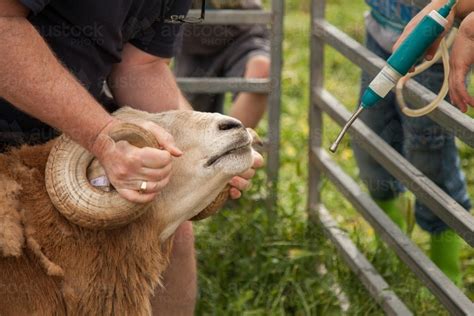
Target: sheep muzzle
<point>217,204</point>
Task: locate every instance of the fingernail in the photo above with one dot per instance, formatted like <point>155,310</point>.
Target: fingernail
<point>177,152</point>
<point>235,194</point>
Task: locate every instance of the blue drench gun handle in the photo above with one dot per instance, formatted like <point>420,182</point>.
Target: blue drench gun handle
<point>411,50</point>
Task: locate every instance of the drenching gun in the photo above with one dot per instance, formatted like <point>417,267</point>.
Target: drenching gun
<point>410,51</point>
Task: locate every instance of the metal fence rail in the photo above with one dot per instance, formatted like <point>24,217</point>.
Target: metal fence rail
<point>376,285</point>
<point>425,190</point>
<point>274,19</point>
<point>235,16</point>
<point>220,85</point>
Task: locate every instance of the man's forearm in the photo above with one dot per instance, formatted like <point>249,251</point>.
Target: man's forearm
<point>33,80</point>
<point>150,87</point>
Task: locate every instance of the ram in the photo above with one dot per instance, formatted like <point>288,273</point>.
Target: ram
<point>69,248</point>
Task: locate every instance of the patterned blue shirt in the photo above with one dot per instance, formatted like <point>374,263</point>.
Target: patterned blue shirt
<point>392,13</point>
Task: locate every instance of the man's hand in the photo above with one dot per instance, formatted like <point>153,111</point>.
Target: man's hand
<point>461,59</point>
<point>127,166</point>
<point>242,182</point>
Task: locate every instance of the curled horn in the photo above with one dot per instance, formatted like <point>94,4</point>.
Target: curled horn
<point>72,194</point>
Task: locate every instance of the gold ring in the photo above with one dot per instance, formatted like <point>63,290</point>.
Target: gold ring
<point>143,187</point>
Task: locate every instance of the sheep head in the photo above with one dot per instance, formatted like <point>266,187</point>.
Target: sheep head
<point>216,148</point>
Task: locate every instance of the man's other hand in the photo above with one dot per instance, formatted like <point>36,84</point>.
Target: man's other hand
<point>127,166</point>
<point>242,182</point>
<point>460,61</point>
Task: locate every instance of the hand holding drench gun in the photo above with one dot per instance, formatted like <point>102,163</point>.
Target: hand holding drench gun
<point>404,58</point>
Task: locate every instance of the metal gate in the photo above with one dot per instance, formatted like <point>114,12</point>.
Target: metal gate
<point>321,164</point>
<point>272,86</point>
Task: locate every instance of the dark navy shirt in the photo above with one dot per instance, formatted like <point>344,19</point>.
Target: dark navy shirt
<point>88,36</point>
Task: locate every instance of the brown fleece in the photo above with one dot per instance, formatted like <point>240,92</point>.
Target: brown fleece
<point>11,231</point>
<point>62,268</point>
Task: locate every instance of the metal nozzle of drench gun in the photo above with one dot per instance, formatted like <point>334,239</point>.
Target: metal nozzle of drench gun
<point>354,116</point>
<point>401,61</point>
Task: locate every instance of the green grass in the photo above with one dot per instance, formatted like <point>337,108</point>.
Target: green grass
<point>252,262</point>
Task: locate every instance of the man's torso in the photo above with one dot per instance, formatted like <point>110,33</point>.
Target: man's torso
<point>87,37</point>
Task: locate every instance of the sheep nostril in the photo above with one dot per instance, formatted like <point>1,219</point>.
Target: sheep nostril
<point>230,124</point>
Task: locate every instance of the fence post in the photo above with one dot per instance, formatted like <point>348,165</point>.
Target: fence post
<point>273,160</point>
<point>318,9</point>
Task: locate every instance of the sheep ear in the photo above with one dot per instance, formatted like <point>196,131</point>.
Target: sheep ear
<point>12,238</point>
<point>215,205</point>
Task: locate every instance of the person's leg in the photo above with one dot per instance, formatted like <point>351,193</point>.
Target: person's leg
<point>178,296</point>
<point>249,108</point>
<point>435,155</point>
<point>432,150</point>
<point>384,120</point>
<point>445,252</point>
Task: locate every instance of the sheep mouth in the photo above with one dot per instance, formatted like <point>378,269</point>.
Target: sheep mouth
<point>237,149</point>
